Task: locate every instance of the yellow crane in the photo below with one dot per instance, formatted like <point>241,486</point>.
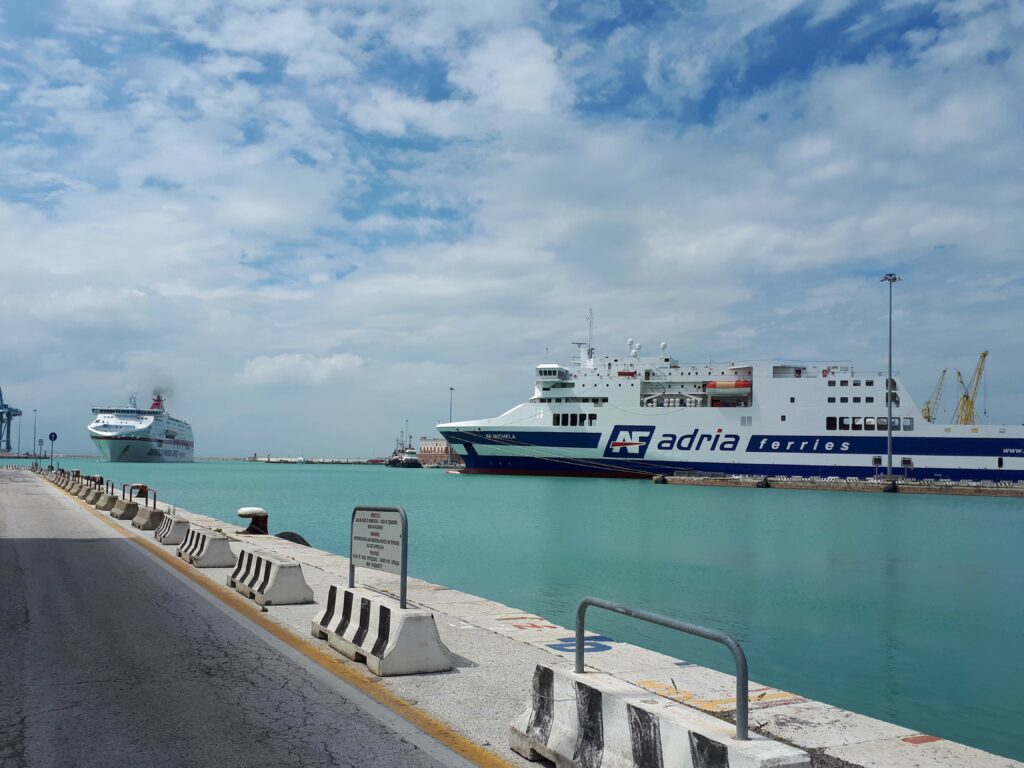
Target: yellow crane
<point>931,408</point>
<point>965,408</point>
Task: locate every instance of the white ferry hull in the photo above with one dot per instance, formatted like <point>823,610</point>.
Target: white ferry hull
<point>143,450</point>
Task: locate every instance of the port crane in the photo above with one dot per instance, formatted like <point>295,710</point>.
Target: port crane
<point>931,407</point>
<point>7,414</point>
<point>965,413</point>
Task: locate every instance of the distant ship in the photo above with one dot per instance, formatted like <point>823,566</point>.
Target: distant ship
<point>141,434</point>
<point>633,416</point>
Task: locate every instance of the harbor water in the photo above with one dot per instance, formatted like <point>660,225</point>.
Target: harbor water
<point>905,608</point>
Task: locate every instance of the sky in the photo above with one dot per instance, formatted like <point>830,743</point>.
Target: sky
<point>307,221</point>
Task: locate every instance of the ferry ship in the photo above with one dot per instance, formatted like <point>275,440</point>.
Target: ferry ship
<point>141,434</point>
<point>634,416</point>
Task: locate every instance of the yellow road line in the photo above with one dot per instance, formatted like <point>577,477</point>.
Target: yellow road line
<point>371,686</point>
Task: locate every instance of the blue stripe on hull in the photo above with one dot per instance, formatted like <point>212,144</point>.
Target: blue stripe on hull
<point>571,467</point>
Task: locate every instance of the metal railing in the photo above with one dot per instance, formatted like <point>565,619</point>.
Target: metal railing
<point>681,626</point>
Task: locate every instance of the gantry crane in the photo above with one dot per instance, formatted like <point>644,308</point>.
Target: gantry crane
<point>7,414</point>
<point>965,413</point>
<point>931,407</point>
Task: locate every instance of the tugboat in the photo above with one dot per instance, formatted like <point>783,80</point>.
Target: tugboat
<point>404,454</point>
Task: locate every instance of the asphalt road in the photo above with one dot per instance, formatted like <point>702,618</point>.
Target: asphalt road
<point>109,657</point>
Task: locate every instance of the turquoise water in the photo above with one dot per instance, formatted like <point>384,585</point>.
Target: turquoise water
<point>905,608</point>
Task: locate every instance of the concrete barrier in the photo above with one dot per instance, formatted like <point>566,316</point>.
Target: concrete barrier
<point>148,518</point>
<point>74,488</point>
<point>204,548</point>
<point>269,579</point>
<point>172,530</point>
<point>92,495</point>
<point>83,490</point>
<point>105,502</point>
<point>594,719</point>
<point>369,627</point>
<point>124,510</point>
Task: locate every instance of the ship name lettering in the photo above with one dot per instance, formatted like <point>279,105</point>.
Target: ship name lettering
<point>698,440</point>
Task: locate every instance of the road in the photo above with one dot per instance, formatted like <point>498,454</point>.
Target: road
<point>109,657</point>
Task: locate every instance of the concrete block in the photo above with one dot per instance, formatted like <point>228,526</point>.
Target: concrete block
<point>204,548</point>
<point>148,519</point>
<point>172,530</point>
<point>92,495</point>
<point>105,502</point>
<point>269,579</point>
<point>369,627</point>
<point>124,510</point>
<point>83,491</point>
<point>596,719</point>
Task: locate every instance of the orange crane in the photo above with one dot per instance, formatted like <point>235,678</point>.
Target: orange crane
<point>931,407</point>
<point>965,413</point>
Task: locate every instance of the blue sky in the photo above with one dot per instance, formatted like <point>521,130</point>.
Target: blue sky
<point>312,218</point>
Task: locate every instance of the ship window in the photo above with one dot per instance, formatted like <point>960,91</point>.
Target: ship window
<point>856,399</point>
<point>844,399</point>
<point>869,423</point>
<point>591,418</point>
<point>1000,463</point>
<point>895,423</point>
<point>831,382</point>
<point>856,382</point>
<point>844,422</point>
<point>792,399</point>
<point>908,423</point>
<point>869,399</point>
<point>883,423</point>
<point>858,424</point>
<point>831,399</point>
<point>869,383</point>
<point>844,383</point>
<point>574,420</point>
<point>783,417</point>
<point>830,423</point>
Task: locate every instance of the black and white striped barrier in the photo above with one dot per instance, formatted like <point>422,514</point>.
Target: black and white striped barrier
<point>124,510</point>
<point>594,720</point>
<point>172,530</point>
<point>269,579</point>
<point>369,627</point>
<point>204,548</point>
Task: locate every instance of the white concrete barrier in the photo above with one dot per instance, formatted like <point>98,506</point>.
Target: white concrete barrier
<point>204,548</point>
<point>172,530</point>
<point>370,627</point>
<point>124,510</point>
<point>598,721</point>
<point>105,502</point>
<point>83,490</point>
<point>148,518</point>
<point>269,579</point>
<point>92,495</point>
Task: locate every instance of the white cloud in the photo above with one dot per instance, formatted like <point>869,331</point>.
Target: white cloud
<point>298,368</point>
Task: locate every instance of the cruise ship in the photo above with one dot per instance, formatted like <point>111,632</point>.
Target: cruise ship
<point>635,416</point>
<point>141,434</point>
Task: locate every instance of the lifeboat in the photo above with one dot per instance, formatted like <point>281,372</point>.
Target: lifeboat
<point>737,388</point>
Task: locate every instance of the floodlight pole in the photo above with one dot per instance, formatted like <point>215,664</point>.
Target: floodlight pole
<point>889,278</point>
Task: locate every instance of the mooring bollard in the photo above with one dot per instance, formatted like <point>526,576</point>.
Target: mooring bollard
<point>257,518</point>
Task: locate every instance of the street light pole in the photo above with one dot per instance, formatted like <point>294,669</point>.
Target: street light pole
<point>34,429</point>
<point>889,278</point>
<point>451,398</point>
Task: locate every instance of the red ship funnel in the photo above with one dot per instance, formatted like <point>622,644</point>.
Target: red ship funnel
<point>158,403</point>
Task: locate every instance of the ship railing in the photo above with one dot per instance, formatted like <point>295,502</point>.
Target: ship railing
<point>680,626</point>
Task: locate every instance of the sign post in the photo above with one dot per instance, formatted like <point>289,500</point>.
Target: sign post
<point>379,540</point>
<point>53,439</point>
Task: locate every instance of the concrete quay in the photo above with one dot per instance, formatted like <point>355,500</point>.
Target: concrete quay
<point>879,484</point>
<point>497,648</point>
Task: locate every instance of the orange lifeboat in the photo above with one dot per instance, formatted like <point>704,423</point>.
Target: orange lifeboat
<point>737,388</point>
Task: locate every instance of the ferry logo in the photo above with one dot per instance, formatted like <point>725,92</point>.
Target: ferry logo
<point>629,441</point>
